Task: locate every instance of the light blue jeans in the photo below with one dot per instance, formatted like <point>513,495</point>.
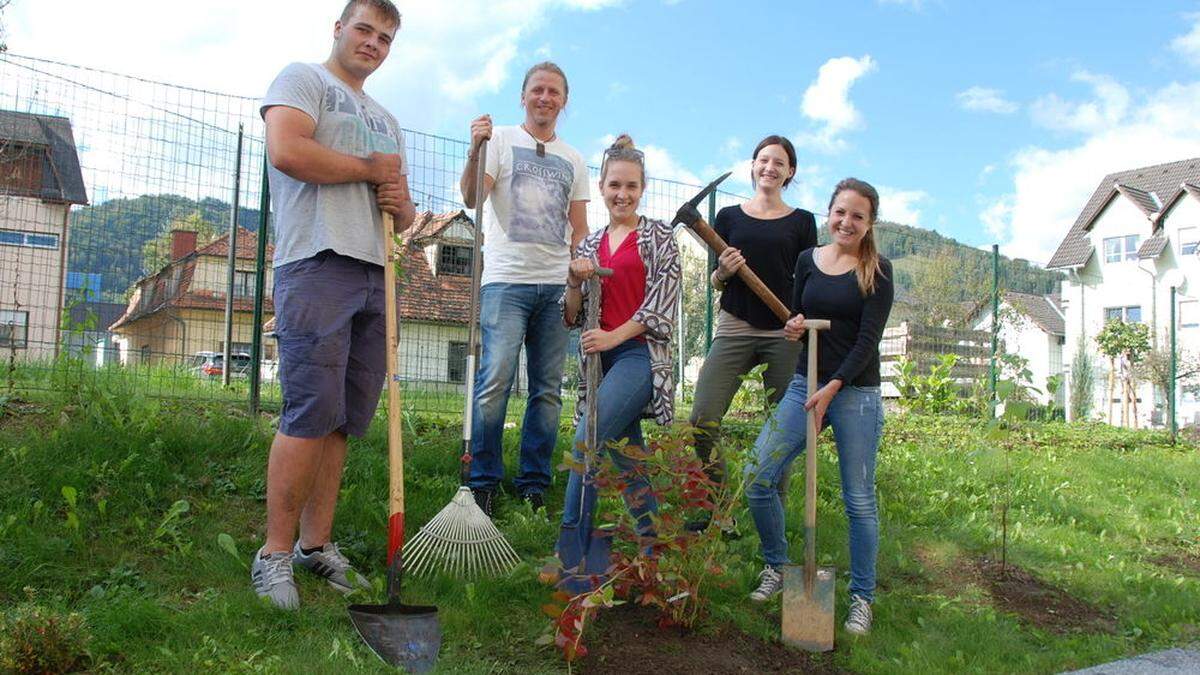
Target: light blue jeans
<point>624,392</point>
<point>511,315</point>
<point>856,415</point>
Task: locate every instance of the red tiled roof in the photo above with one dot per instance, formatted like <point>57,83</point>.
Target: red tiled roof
<point>247,246</point>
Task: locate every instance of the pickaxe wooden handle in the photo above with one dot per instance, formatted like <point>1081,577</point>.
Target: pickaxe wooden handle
<point>689,215</point>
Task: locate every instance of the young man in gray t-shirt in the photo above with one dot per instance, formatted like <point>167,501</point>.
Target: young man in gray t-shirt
<point>337,161</point>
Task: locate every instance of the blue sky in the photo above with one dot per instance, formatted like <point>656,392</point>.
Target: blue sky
<point>984,121</point>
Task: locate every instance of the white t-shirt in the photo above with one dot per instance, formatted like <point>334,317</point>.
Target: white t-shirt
<point>527,236</point>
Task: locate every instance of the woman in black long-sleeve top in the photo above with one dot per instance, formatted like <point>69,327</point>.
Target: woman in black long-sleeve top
<point>850,284</point>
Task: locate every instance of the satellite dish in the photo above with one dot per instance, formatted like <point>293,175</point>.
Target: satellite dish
<point>1174,278</point>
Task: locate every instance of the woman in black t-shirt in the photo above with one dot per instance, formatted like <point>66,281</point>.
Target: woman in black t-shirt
<point>850,284</point>
<point>767,235</point>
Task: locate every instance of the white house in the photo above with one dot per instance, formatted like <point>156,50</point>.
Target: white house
<point>1034,327</point>
<point>1135,238</point>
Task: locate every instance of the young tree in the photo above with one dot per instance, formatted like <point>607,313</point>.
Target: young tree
<point>1083,380</point>
<point>941,286</point>
<point>1155,367</point>
<point>1124,343</point>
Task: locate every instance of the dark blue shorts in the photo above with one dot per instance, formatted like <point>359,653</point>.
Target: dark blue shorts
<point>329,320</point>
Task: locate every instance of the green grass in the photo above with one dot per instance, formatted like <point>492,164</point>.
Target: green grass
<point>1091,509</point>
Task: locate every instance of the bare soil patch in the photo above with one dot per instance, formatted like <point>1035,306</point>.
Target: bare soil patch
<point>628,641</point>
<point>1185,563</point>
<point>1010,588</point>
<point>1015,590</point>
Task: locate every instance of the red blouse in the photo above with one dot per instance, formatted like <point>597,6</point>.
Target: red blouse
<point>623,293</point>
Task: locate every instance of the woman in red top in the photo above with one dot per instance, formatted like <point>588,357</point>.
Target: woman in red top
<point>637,311</point>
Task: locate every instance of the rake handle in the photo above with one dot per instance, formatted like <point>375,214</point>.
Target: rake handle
<point>395,439</point>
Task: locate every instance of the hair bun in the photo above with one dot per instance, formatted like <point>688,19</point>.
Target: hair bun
<point>623,142</point>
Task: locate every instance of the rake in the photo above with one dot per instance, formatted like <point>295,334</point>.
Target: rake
<point>461,539</point>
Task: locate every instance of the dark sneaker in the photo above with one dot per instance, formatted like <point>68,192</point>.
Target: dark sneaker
<point>770,584</point>
<point>486,499</point>
<point>859,621</point>
<point>329,564</point>
<point>535,500</point>
<point>272,579</point>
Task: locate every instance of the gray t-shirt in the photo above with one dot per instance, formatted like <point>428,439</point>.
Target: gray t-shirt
<point>344,217</point>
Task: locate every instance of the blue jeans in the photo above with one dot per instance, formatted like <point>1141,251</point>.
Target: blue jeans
<point>511,315</point>
<point>624,392</point>
<point>856,415</point>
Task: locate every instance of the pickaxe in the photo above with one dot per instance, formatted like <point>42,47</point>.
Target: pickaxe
<point>690,216</point>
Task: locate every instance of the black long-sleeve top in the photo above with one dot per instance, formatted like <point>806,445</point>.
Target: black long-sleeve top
<point>771,248</point>
<point>849,350</point>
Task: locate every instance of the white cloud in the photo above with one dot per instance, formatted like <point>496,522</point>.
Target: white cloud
<point>984,99</point>
<point>1106,110</point>
<point>443,58</point>
<point>1188,46</point>
<point>1050,187</point>
<point>911,4</point>
<point>901,206</point>
<point>827,102</point>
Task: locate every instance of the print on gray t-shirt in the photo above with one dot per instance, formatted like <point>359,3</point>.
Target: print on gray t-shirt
<point>344,217</point>
<point>541,189</point>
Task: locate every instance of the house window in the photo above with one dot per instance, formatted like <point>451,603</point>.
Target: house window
<point>456,362</point>
<point>20,170</point>
<point>14,329</point>
<point>1189,239</point>
<point>243,284</point>
<point>1131,314</point>
<point>1189,314</point>
<point>454,260</point>
<point>28,239</point>
<point>1117,249</point>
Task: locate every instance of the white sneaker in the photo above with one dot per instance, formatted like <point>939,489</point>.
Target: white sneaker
<point>770,584</point>
<point>859,621</point>
<point>329,564</point>
<point>272,578</point>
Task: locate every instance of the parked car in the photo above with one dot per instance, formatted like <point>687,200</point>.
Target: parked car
<point>212,364</point>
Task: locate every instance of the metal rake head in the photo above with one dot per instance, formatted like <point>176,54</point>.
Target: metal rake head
<point>462,541</point>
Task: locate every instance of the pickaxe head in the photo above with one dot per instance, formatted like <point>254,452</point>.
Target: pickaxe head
<point>689,213</point>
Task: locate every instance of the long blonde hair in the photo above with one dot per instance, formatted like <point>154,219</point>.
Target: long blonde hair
<point>868,251</point>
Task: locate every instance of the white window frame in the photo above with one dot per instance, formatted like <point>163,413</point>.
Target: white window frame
<point>1127,248</point>
<point>243,283</point>
<point>1189,237</point>
<point>1190,318</point>
<point>1123,312</point>
<point>12,320</point>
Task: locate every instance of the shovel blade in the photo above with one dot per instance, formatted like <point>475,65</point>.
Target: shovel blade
<point>808,620</point>
<point>405,636</point>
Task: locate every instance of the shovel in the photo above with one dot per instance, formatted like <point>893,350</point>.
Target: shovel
<point>583,550</point>
<point>808,593</point>
<point>407,636</point>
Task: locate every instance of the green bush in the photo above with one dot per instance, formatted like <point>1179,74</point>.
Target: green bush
<point>35,639</point>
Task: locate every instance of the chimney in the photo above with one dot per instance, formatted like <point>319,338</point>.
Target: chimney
<point>183,242</point>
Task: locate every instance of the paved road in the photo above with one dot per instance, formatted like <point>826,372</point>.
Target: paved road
<point>1169,662</point>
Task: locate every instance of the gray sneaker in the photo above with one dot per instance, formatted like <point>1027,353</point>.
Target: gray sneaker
<point>272,578</point>
<point>770,583</point>
<point>329,564</point>
<point>859,621</point>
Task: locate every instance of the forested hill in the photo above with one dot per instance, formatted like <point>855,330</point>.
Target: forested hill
<point>111,239</point>
<point>913,249</point>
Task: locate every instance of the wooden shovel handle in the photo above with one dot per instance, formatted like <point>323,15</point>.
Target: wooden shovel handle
<point>395,439</point>
<point>747,275</point>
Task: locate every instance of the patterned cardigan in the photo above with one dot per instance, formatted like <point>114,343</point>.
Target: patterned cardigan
<point>656,245</point>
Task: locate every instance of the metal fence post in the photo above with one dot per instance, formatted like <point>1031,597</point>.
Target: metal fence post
<point>260,279</point>
<point>227,368</point>
<point>1171,388</point>
<point>995,322</point>
<point>708,289</point>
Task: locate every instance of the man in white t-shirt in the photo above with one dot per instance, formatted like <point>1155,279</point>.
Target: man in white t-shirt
<point>538,190</point>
